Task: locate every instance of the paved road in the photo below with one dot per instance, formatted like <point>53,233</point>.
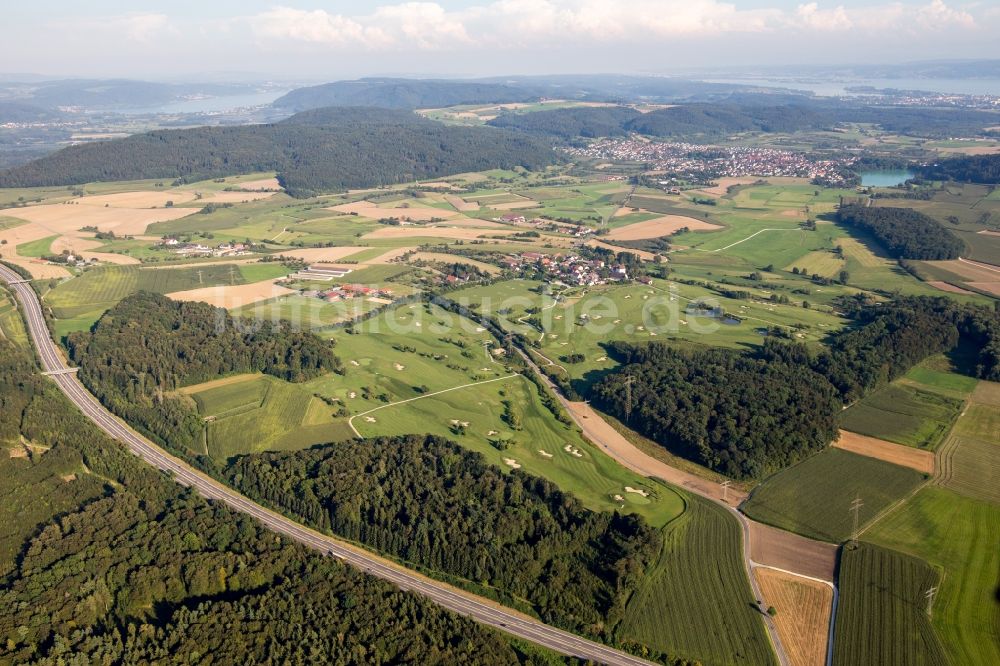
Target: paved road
<point>479,609</point>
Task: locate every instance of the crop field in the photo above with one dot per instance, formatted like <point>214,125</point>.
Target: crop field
<point>950,384</point>
<point>904,414</point>
<point>258,272</point>
<point>958,537</point>
<point>813,497</point>
<point>263,413</point>
<point>881,618</point>
<point>803,613</point>
<point>82,300</point>
<point>970,460</point>
<point>820,262</point>
<point>697,601</point>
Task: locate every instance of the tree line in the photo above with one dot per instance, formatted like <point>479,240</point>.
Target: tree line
<point>983,169</point>
<point>904,232</point>
<point>315,151</point>
<point>148,345</point>
<point>108,561</point>
<point>431,502</point>
<point>748,414</point>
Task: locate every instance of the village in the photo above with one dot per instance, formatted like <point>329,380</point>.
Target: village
<point>703,163</point>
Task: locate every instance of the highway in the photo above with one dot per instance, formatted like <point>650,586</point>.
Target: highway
<point>446,596</point>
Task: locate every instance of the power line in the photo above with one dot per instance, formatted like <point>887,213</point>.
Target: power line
<point>930,594</point>
<point>725,490</point>
<point>629,380</point>
<point>856,510</point>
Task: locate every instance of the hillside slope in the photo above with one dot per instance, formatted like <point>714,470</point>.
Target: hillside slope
<point>320,150</point>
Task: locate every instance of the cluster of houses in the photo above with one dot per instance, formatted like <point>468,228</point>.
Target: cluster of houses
<point>569,269</point>
<point>575,230</point>
<point>199,250</point>
<point>346,292</point>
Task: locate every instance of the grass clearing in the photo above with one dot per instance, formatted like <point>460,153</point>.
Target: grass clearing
<point>262,271</point>
<point>37,248</point>
<point>958,536</point>
<point>904,414</point>
<point>813,498</point>
<point>881,618</point>
<point>697,601</point>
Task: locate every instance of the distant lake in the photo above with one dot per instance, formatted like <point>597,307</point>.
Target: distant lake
<point>213,104</point>
<point>885,178</point>
<point>837,87</point>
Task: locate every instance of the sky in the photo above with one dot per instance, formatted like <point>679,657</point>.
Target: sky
<point>313,40</point>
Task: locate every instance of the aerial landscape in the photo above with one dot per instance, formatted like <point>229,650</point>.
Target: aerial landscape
<point>501,333</point>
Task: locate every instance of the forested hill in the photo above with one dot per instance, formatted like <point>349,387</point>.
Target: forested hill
<point>402,94</point>
<point>104,560</point>
<point>700,121</point>
<point>906,233</point>
<point>968,168</point>
<point>322,150</point>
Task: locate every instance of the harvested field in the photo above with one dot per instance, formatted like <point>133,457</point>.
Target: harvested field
<point>457,233</point>
<point>391,255</point>
<point>376,212</point>
<point>261,185</point>
<point>442,257</point>
<point>147,199</point>
<point>234,197</point>
<point>987,393</point>
<point>83,247</point>
<point>321,254</point>
<point>642,254</point>
<point>661,226</point>
<point>992,287</point>
<point>973,271</point>
<point>461,204</point>
<point>514,205</point>
<point>723,185</point>
<point>773,547</point>
<point>233,296</point>
<point>897,454</point>
<point>803,614</point>
<point>950,288</point>
<point>69,218</point>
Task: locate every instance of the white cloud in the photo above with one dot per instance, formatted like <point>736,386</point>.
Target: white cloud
<point>428,26</point>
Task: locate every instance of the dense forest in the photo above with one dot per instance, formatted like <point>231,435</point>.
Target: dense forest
<point>391,93</point>
<point>905,233</point>
<point>586,122</point>
<point>322,150</point>
<point>701,121</point>
<point>433,503</point>
<point>968,169</point>
<point>105,560</point>
<point>745,415</point>
<point>748,414</point>
<point>148,346</point>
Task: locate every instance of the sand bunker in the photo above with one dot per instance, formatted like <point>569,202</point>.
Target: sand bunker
<point>510,462</point>
<point>233,296</point>
<point>661,226</point>
<point>636,491</point>
<point>544,454</point>
<point>573,451</point>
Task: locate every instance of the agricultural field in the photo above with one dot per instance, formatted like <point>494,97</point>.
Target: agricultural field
<point>970,459</point>
<point>802,615</point>
<point>904,414</point>
<point>697,600</point>
<point>306,312</point>
<point>957,536</point>
<point>813,498</point>
<point>881,617</point>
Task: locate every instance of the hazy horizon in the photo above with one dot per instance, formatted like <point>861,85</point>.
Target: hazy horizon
<point>303,40</point>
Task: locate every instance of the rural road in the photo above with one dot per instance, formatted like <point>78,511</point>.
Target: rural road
<point>446,596</point>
